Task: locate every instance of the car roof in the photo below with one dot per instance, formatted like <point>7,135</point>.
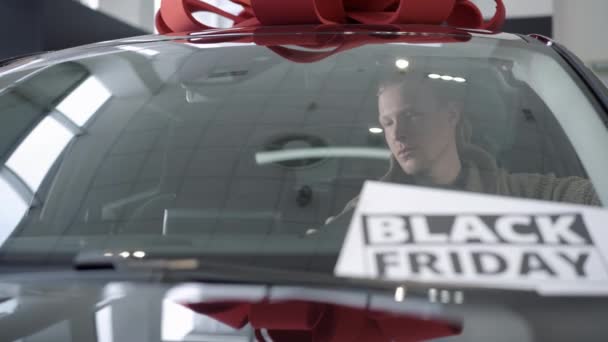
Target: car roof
<point>288,35</point>
<point>335,29</point>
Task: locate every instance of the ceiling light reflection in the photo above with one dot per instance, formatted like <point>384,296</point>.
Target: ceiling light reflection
<point>447,78</point>
<point>140,50</point>
<point>445,296</point>
<point>321,152</point>
<point>459,297</point>
<point>399,294</point>
<point>125,254</point>
<point>432,295</point>
<point>139,254</point>
<point>311,231</point>
<point>376,130</point>
<point>402,64</point>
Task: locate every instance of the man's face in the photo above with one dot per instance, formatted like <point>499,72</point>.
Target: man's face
<point>418,129</point>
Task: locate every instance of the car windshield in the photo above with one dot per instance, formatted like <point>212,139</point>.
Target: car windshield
<point>259,152</point>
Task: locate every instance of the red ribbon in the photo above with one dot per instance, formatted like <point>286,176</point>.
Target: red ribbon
<point>176,15</point>
<point>300,321</point>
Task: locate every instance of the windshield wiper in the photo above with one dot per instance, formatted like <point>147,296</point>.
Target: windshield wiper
<point>204,270</point>
<point>208,270</point>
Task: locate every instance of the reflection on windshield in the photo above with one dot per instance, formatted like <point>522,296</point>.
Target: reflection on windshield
<point>330,152</point>
<point>240,152</point>
<point>178,321</point>
<point>30,161</point>
<point>46,142</point>
<point>429,134</point>
<point>142,51</point>
<point>103,323</point>
<point>13,208</point>
<point>84,101</point>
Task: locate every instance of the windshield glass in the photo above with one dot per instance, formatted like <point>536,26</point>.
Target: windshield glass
<point>237,151</point>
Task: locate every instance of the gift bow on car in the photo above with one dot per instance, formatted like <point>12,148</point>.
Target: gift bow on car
<point>176,15</point>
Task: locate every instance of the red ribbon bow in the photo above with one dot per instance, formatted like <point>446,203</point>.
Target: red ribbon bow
<point>176,15</point>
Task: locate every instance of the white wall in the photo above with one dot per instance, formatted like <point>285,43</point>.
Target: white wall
<point>529,8</point>
<point>137,13</point>
<point>582,26</point>
<point>519,8</point>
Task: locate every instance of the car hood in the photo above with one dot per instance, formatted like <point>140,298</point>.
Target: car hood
<point>85,305</point>
<point>135,310</point>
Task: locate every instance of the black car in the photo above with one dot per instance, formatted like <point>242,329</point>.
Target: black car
<point>199,187</point>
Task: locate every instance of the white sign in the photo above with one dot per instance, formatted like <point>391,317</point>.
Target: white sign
<point>402,233</point>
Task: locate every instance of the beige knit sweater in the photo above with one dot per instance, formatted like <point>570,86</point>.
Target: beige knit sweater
<point>480,174</point>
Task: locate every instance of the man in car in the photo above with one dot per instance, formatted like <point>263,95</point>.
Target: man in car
<point>429,136</point>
